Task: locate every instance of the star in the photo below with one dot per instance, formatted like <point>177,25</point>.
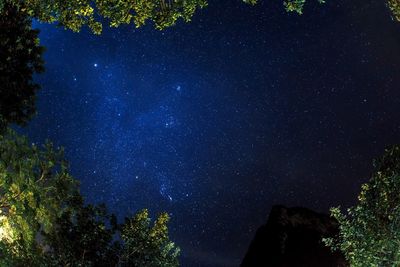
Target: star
<point>197,130</point>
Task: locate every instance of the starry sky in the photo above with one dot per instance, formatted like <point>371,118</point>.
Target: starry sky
<point>217,120</point>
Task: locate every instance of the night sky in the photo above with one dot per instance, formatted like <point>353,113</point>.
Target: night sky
<point>217,120</point>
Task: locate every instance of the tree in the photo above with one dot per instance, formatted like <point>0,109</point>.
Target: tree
<point>84,236</point>
<point>394,6</point>
<point>370,231</point>
<point>44,221</point>
<point>146,245</point>
<point>74,14</point>
<point>297,5</point>
<point>20,59</point>
<point>35,186</point>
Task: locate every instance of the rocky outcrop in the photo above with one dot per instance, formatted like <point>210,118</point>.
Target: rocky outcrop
<point>293,237</point>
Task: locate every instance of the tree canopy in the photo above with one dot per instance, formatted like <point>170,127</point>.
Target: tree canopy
<point>35,187</point>
<point>147,245</point>
<point>74,14</point>
<point>44,221</point>
<point>20,59</point>
<point>370,231</point>
<point>394,6</point>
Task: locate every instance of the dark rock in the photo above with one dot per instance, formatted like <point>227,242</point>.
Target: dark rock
<point>293,237</point>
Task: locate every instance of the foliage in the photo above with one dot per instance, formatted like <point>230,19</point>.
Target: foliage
<point>20,59</point>
<point>74,14</point>
<point>294,6</point>
<point>34,186</point>
<point>146,245</point>
<point>370,231</point>
<point>44,221</point>
<point>297,5</point>
<point>394,6</point>
<point>83,237</point>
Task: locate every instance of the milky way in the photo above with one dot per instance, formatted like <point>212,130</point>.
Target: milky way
<point>217,120</point>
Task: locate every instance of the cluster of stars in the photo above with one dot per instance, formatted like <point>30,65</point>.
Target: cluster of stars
<point>254,114</point>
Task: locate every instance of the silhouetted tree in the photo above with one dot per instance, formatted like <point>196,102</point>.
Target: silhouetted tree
<point>370,231</point>
<point>44,221</point>
<point>87,236</point>
<point>84,236</point>
<point>20,59</point>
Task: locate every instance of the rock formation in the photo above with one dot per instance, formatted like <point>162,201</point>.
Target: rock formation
<point>292,237</point>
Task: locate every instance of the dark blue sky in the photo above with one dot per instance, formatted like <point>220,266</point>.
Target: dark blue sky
<point>217,120</point>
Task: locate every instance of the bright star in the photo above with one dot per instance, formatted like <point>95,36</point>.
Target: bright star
<point>95,65</point>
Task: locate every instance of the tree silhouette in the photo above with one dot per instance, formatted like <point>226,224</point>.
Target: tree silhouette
<point>20,59</point>
<point>44,221</point>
